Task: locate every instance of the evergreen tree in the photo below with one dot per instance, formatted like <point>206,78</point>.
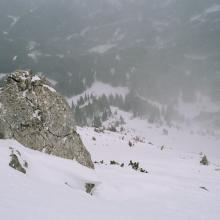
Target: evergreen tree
<point>81,101</point>
<point>90,111</point>
<point>97,122</point>
<point>85,98</point>
<point>78,116</point>
<point>104,116</point>
<point>122,121</point>
<point>72,106</point>
<point>111,99</point>
<point>104,101</point>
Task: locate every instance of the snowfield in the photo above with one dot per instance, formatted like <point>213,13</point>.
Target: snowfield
<point>98,89</point>
<point>176,186</point>
<point>192,110</point>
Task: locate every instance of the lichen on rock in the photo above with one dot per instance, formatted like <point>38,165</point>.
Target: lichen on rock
<point>33,113</point>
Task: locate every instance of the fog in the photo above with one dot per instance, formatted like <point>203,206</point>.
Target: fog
<point>165,51</point>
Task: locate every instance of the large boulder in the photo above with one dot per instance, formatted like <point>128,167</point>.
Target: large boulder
<point>33,113</point>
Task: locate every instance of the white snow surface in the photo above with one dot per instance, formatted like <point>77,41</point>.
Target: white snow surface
<point>202,16</point>
<point>101,49</point>
<point>34,55</point>
<point>52,81</point>
<point>50,88</point>
<point>192,110</point>
<point>35,78</point>
<point>53,188</point>
<point>98,89</point>
<point>213,8</point>
<point>15,19</point>
<point>14,58</point>
<point>32,45</point>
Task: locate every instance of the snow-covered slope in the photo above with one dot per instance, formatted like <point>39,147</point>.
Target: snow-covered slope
<point>98,89</point>
<point>175,187</point>
<point>201,104</point>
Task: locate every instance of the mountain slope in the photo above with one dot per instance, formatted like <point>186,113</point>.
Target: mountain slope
<point>175,187</point>
<point>160,48</point>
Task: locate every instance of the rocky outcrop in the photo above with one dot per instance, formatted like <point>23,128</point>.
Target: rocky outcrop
<point>33,113</point>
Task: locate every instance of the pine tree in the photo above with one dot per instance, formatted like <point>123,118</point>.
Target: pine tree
<point>80,101</point>
<point>104,101</point>
<point>72,106</point>
<point>111,99</point>
<point>97,122</point>
<point>122,121</point>
<point>85,98</point>
<point>78,116</point>
<point>104,115</point>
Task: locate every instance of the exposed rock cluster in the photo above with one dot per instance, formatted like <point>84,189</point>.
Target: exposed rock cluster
<point>33,113</point>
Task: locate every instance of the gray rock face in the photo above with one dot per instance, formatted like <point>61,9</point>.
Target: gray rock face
<point>35,115</point>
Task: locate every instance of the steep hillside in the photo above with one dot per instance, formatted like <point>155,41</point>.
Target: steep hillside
<point>169,182</point>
